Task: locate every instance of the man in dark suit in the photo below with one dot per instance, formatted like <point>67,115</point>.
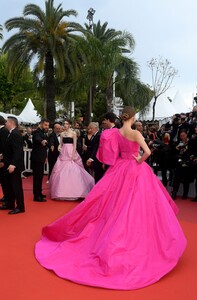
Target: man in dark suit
<point>93,161</point>
<point>109,120</point>
<point>53,143</point>
<point>13,159</point>
<point>38,158</point>
<point>3,137</point>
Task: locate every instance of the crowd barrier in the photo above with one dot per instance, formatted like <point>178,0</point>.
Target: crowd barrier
<point>27,162</point>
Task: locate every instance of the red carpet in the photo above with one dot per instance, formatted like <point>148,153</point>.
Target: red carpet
<point>22,278</point>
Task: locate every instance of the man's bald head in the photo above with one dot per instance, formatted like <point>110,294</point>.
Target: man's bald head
<point>139,126</point>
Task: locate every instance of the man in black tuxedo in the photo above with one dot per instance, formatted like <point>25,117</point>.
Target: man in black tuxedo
<point>53,143</point>
<point>38,158</point>
<point>3,137</point>
<point>13,159</point>
<point>93,161</point>
<point>109,120</point>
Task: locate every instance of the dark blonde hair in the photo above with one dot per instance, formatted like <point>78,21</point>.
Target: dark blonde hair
<point>127,113</point>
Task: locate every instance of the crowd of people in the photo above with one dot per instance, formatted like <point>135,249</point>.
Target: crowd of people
<point>71,149</point>
<point>174,151</point>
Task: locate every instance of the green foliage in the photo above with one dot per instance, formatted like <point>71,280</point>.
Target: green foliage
<point>13,93</point>
<point>67,64</point>
<point>137,95</point>
<point>99,53</point>
<point>99,107</point>
<point>45,36</point>
<point>6,90</point>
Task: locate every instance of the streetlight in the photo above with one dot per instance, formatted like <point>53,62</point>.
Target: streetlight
<point>90,16</point>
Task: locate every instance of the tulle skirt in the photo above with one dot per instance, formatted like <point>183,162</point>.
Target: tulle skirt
<point>69,180</point>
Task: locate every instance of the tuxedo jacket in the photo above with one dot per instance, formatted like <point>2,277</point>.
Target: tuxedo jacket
<point>94,145</point>
<point>3,137</point>
<point>39,152</point>
<point>53,141</point>
<point>97,165</point>
<point>13,150</point>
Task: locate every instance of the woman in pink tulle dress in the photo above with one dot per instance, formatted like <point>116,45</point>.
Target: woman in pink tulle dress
<point>125,235</point>
<point>69,180</point>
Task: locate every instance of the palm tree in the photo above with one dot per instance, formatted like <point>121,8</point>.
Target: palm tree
<point>112,45</point>
<point>44,36</point>
<point>101,51</point>
<point>1,35</point>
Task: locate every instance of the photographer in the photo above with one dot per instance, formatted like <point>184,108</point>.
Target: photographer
<point>193,119</point>
<point>174,127</point>
<point>27,138</point>
<point>183,171</point>
<point>162,156</point>
<point>194,159</point>
<point>184,125</point>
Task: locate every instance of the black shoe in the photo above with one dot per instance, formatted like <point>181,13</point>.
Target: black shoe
<point>43,196</point>
<point>173,195</point>
<point>16,211</point>
<point>2,199</point>
<point>194,199</point>
<point>184,197</point>
<point>40,199</point>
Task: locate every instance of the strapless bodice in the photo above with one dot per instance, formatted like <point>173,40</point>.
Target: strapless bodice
<point>67,140</point>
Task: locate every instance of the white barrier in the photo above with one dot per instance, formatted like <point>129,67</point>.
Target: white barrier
<point>27,162</point>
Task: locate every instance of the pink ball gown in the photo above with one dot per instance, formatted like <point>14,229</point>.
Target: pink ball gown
<point>69,180</point>
<point>124,235</point>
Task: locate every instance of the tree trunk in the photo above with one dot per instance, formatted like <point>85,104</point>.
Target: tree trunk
<point>89,109</point>
<point>109,98</point>
<point>154,104</point>
<point>50,87</point>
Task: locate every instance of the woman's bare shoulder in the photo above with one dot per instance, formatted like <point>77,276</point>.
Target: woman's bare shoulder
<point>135,134</point>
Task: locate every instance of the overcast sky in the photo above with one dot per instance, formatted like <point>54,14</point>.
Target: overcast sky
<point>166,28</point>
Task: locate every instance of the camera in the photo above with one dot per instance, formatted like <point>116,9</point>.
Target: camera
<point>195,99</point>
<point>180,145</point>
<point>194,114</point>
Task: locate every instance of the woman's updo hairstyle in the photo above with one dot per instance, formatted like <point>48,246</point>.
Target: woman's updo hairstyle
<point>127,113</point>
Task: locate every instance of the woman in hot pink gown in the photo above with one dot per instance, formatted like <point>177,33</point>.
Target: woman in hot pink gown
<point>125,234</point>
<point>69,180</point>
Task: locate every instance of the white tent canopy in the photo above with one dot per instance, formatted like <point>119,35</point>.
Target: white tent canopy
<point>5,116</point>
<point>180,104</point>
<point>29,114</point>
<point>163,109</point>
